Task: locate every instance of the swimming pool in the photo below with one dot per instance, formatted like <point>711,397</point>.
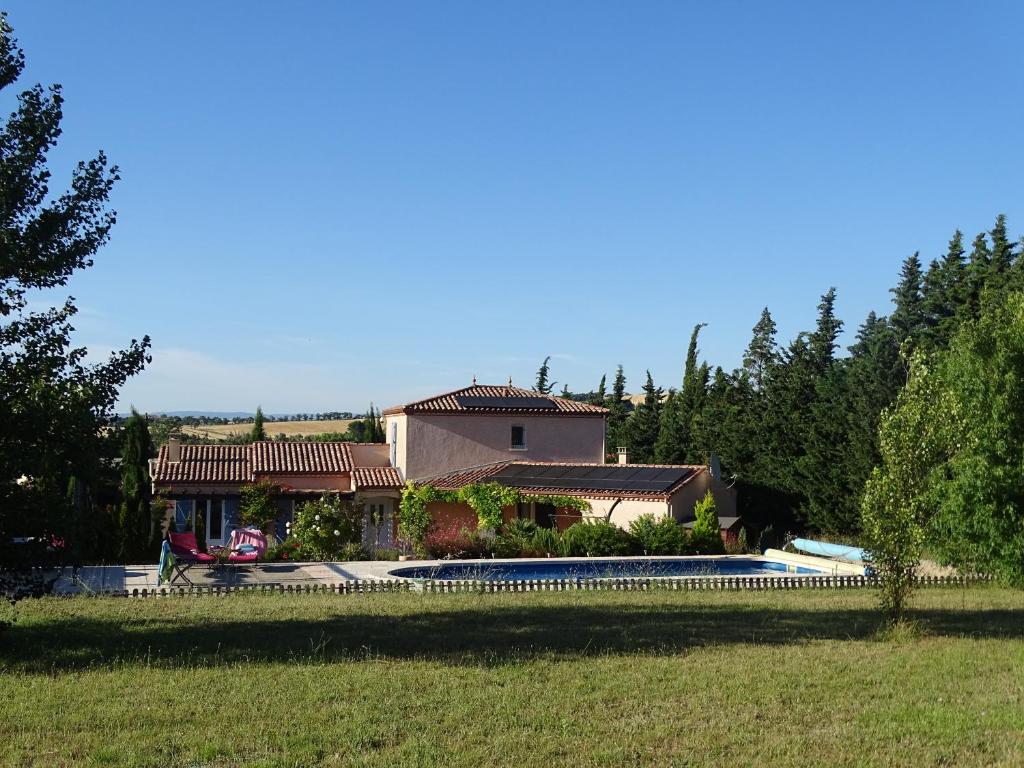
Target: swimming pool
<point>600,568</point>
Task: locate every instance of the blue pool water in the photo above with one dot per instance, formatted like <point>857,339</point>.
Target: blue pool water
<point>634,567</point>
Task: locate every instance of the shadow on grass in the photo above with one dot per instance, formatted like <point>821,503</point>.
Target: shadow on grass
<point>477,636</point>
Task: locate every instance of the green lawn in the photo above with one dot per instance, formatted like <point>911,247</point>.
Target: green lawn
<point>665,678</point>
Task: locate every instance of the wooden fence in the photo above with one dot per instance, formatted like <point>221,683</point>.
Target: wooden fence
<point>434,586</point>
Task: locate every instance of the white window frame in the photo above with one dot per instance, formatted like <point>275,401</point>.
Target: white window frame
<point>522,447</point>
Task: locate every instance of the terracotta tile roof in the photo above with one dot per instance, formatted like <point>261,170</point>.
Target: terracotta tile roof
<point>300,458</point>
<point>454,480</point>
<point>448,402</point>
<point>376,477</point>
<point>204,464</point>
<point>232,464</point>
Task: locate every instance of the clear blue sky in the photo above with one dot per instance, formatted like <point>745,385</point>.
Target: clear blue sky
<point>325,203</point>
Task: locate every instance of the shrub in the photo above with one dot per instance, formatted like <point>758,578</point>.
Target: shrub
<point>548,541</point>
<point>706,537</point>
<point>596,538</point>
<point>456,542</point>
<point>257,508</point>
<point>324,527</point>
<point>663,536</point>
<point>516,539</point>
<point>286,550</point>
<point>385,553</point>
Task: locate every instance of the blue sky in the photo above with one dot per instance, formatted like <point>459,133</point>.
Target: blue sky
<point>329,203</point>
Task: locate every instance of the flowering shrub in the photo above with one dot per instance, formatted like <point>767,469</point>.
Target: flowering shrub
<point>324,527</point>
<point>456,542</point>
<point>286,550</point>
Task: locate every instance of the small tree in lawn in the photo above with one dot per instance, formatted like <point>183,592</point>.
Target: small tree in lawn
<point>258,432</point>
<point>896,506</point>
<point>707,533</point>
<point>257,508</point>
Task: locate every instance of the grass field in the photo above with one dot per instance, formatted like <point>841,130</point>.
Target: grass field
<point>795,678</point>
<point>273,428</point>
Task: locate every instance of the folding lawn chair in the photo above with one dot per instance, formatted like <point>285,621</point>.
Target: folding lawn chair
<point>184,553</point>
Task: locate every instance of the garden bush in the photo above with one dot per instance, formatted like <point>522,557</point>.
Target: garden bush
<point>659,536</point>
<point>257,508</point>
<point>516,539</point>
<point>456,542</point>
<point>706,537</point>
<point>596,538</point>
<point>323,528</point>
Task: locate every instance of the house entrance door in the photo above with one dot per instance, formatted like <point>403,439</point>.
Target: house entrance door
<point>215,528</point>
<point>378,528</point>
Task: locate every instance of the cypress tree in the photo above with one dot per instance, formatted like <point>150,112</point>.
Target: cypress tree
<point>674,443</point>
<point>566,393</point>
<point>543,385</point>
<point>258,432</point>
<point>908,316</point>
<point>618,410</point>
<point>642,426</point>
<point>599,397</point>
<point>135,519</point>
<point>822,342</point>
<point>762,353</point>
<point>978,264</point>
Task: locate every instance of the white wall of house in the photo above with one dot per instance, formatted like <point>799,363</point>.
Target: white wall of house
<point>627,510</point>
<point>430,444</point>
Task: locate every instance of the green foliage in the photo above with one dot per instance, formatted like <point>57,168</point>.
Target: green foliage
<point>543,385</point>
<point>56,409</point>
<point>595,538</point>
<point>641,429</point>
<point>895,507</point>
<point>516,539</point>
<point>659,536</point>
<point>414,520</point>
<point>258,432</point>
<point>618,411</point>
<point>706,536</point>
<point>137,533</point>
<point>488,500</point>
<point>256,506</point>
<point>330,528</point>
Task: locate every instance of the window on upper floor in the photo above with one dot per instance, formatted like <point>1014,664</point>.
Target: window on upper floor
<point>518,437</point>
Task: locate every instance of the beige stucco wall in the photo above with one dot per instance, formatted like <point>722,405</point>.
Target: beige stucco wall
<point>370,455</point>
<point>683,501</point>
<point>401,422</point>
<point>340,482</point>
<point>431,444</point>
<point>626,511</point>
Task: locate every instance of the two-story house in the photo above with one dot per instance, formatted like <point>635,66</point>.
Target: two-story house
<point>541,444</point>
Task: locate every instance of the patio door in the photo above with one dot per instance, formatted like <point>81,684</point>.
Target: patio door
<point>216,530</point>
<point>378,527</point>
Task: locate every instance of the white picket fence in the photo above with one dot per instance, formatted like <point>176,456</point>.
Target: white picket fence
<point>435,586</point>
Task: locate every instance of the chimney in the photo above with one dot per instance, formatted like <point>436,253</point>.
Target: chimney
<point>174,450</point>
<point>623,458</point>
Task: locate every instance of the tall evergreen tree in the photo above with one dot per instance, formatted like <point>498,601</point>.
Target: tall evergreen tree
<point>762,353</point>
<point>642,426</point>
<point>978,265</point>
<point>565,392</point>
<point>543,385</point>
<point>258,433</point>
<point>599,397</point>
<point>908,317</point>
<point>945,294</point>
<point>618,410</point>
<point>136,525</point>
<point>674,444</point>
<point>822,342</point>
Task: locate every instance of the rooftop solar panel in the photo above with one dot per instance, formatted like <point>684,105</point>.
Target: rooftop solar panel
<point>505,403</point>
<point>597,478</point>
